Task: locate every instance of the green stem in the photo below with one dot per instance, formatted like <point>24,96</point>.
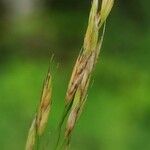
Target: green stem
<point>64,115</point>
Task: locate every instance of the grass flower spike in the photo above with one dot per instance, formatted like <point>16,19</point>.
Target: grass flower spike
<point>41,118</point>
<point>45,106</point>
<point>78,86</point>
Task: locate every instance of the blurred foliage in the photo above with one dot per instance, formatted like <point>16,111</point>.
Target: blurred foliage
<point>116,116</point>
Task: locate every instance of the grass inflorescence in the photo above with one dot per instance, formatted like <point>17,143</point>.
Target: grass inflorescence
<point>76,94</point>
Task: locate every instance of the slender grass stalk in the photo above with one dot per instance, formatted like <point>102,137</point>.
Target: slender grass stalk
<point>39,122</point>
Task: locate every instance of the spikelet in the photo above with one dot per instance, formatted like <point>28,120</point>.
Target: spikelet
<point>78,86</point>
<point>31,137</point>
<point>105,10</point>
<point>45,105</point>
<point>41,118</point>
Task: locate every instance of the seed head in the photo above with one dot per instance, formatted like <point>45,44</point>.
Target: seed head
<point>45,106</point>
<point>41,118</point>
<point>78,86</point>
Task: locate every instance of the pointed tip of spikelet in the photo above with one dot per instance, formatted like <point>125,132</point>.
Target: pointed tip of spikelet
<point>96,20</point>
<point>31,136</point>
<point>105,9</point>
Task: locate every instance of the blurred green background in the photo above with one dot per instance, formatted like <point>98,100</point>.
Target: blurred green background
<point>117,112</point>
